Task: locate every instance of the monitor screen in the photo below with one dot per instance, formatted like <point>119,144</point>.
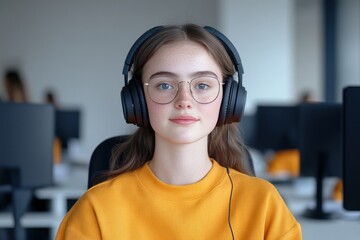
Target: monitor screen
<point>276,127</point>
<point>247,127</point>
<point>320,148</point>
<point>351,148</point>
<point>320,139</point>
<point>26,142</point>
<point>67,125</point>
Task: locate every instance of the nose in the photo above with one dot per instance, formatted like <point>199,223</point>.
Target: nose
<point>184,98</point>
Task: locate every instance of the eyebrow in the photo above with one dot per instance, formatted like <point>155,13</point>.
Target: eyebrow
<point>194,75</point>
<point>162,74</point>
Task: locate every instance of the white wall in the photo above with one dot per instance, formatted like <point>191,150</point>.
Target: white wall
<point>348,40</point>
<point>263,32</point>
<point>309,48</point>
<point>309,52</point>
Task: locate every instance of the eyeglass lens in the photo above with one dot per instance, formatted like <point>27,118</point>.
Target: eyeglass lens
<point>203,89</point>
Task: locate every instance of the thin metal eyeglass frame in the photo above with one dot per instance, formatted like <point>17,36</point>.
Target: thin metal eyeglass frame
<point>191,93</point>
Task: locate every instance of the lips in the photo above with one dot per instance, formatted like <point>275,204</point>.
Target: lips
<point>184,120</point>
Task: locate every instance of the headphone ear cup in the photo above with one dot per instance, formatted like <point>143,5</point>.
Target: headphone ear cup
<point>225,102</point>
<point>233,103</point>
<point>127,105</point>
<point>145,122</point>
<point>239,100</point>
<point>134,104</point>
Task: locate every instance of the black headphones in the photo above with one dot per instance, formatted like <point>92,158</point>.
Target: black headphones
<point>133,98</point>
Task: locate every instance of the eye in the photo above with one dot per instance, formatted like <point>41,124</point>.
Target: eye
<point>204,83</point>
<point>202,86</point>
<point>164,86</point>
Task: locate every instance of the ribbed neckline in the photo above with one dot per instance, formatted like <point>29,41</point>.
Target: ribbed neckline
<point>185,192</point>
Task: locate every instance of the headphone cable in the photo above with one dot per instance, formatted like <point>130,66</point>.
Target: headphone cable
<point>231,184</point>
<point>229,211</point>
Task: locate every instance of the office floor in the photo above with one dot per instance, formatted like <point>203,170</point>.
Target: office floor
<point>330,230</point>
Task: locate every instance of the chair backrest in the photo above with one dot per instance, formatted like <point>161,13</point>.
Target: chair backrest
<point>100,159</point>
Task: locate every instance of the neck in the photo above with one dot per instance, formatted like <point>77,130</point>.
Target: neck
<point>180,164</point>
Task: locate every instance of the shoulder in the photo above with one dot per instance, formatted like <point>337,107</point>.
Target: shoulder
<point>243,178</point>
<point>114,184</point>
<point>254,186</point>
<point>261,200</point>
<point>96,201</point>
<point>101,196</point>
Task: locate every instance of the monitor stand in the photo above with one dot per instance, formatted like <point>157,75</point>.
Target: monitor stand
<point>318,212</point>
<point>21,201</point>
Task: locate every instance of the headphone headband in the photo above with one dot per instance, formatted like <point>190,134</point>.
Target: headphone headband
<point>229,47</point>
<point>231,50</point>
<point>130,56</point>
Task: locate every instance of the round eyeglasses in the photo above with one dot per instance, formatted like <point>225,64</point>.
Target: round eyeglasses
<point>203,89</point>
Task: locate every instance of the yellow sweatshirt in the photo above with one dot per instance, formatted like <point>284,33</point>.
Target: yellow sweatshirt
<point>138,206</point>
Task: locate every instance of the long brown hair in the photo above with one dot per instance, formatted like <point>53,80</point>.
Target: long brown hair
<point>224,142</point>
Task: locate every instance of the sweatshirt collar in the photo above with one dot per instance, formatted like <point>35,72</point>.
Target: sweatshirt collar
<point>184,192</point>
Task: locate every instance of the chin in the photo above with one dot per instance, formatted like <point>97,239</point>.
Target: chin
<point>188,138</point>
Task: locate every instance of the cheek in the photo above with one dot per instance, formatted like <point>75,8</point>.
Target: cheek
<point>212,111</point>
<point>155,111</point>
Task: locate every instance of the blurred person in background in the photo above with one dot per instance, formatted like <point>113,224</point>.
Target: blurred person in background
<point>15,88</point>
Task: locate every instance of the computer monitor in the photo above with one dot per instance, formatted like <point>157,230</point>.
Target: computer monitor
<point>67,125</point>
<point>247,127</point>
<point>320,147</point>
<point>351,148</point>
<point>276,127</point>
<point>26,153</point>
<point>26,142</point>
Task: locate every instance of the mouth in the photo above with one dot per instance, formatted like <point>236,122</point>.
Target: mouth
<point>184,120</point>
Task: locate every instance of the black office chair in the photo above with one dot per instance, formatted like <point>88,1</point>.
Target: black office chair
<point>100,159</point>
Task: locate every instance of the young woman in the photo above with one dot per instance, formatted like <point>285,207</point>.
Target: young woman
<point>183,174</point>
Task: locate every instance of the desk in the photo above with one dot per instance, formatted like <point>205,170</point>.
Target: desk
<point>72,185</point>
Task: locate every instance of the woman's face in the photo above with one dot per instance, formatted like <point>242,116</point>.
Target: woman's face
<point>183,120</point>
